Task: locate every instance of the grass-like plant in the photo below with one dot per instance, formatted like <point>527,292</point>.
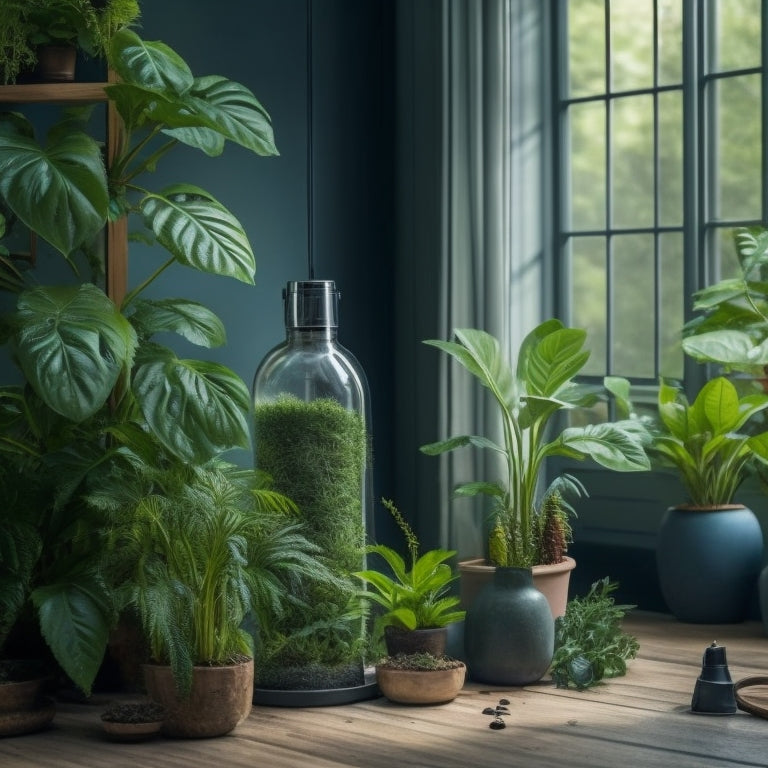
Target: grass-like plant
<point>416,595</point>
<point>316,453</point>
<point>194,550</point>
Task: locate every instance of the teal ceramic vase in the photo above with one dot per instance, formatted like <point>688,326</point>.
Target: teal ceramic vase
<point>509,632</point>
<point>708,562</point>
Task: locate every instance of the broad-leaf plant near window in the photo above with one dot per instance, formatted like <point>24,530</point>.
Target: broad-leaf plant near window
<point>732,325</point>
<point>528,396</point>
<point>99,387</point>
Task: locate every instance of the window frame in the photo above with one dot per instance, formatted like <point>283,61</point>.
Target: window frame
<point>699,228</point>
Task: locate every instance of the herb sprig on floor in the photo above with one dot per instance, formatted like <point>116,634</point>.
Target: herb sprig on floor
<point>589,642</point>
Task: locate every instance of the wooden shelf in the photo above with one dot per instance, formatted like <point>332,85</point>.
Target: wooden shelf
<point>60,93</point>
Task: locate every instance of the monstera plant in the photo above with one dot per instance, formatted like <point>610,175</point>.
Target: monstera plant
<point>99,386</point>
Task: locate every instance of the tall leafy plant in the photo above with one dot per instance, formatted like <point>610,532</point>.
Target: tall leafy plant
<point>527,398</point>
<point>99,387</point>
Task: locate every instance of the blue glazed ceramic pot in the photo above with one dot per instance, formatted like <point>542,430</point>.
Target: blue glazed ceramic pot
<point>509,633</point>
<point>708,562</point>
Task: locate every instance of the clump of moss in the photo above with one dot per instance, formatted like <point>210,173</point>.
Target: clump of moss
<point>316,454</point>
<point>419,662</point>
<point>134,712</point>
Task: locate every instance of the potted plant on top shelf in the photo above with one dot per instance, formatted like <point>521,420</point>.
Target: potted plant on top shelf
<point>528,396</point>
<point>48,33</point>
<point>417,604</point>
<point>99,388</point>
<point>709,549</point>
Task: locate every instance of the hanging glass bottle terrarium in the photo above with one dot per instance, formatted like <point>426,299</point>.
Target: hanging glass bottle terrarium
<point>312,436</point>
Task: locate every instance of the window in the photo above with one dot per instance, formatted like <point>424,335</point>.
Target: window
<point>659,153</point>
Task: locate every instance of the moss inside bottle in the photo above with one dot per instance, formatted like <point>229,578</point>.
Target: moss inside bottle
<point>312,436</point>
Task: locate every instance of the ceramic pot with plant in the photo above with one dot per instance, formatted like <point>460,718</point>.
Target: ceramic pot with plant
<point>416,601</point>
<point>194,551</point>
<point>528,396</point>
<point>709,549</point>
<point>420,678</point>
<point>99,383</point>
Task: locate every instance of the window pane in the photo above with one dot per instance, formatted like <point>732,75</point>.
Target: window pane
<point>722,250</point>
<point>670,42</point>
<point>586,47</point>
<point>671,311</point>
<point>634,307</point>
<point>632,162</point>
<point>735,43</point>
<point>588,280</point>
<point>670,105</point>
<point>587,166</point>
<point>631,44</point>
<point>735,148</point>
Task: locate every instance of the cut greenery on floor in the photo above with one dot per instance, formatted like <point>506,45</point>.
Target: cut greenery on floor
<point>590,644</point>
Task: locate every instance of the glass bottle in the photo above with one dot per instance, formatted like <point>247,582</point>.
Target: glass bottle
<point>312,437</point>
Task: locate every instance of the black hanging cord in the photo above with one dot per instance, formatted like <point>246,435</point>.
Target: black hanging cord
<point>310,173</point>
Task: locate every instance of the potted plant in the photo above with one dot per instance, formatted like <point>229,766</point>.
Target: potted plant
<point>193,551</point>
<point>98,385</point>
<point>528,396</point>
<point>132,721</point>
<point>416,601</point>
<point>420,678</point>
<point>48,33</point>
<point>24,703</point>
<point>709,549</point>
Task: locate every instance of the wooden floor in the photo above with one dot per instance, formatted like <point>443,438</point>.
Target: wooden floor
<point>637,721</point>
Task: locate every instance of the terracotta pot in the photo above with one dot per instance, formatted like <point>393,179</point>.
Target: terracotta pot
<point>219,701</point>
<point>410,686</point>
<point>551,580</point>
<point>432,640</point>
<point>20,696</point>
<point>56,63</point>
<point>131,732</point>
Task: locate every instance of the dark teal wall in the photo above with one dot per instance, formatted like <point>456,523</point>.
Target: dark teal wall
<point>264,46</point>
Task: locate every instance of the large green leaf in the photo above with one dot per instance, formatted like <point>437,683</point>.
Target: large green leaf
<point>718,404</point>
<point>229,109</point>
<point>72,343</point>
<point>609,445</point>
<point>730,347</point>
<point>200,232</point>
<point>75,617</point>
<point>58,191</point>
<point>194,321</point>
<point>195,408</point>
<point>150,64</point>
<point>555,360</point>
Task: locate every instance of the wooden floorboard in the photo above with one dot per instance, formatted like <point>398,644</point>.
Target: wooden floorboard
<point>642,720</point>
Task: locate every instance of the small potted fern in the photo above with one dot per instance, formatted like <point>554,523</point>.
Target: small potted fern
<point>417,605</point>
<point>194,552</point>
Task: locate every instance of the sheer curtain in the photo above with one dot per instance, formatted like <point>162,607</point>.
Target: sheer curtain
<point>469,147</point>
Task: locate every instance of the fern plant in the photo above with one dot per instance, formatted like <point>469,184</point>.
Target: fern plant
<point>194,550</point>
<point>414,597</point>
